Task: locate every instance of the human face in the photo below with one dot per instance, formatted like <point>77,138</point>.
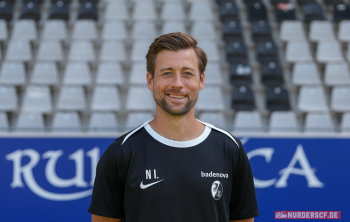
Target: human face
<point>176,81</point>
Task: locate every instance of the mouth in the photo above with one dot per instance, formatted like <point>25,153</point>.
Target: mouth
<point>177,97</point>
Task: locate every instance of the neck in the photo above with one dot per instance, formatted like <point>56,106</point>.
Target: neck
<point>178,128</point>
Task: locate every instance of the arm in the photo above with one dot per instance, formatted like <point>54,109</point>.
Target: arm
<point>96,218</point>
<point>246,220</point>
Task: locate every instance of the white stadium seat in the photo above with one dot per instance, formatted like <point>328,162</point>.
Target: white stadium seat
<point>201,11</point>
<point>50,50</point>
<point>312,98</point>
<point>138,74</point>
<point>116,10</point>
<point>211,49</point>
<point>4,123</point>
<point>248,121</point>
<point>139,99</point>
<point>213,74</point>
<point>337,74</point>
<point>329,51</point>
<point>30,122</point>
<point>71,98</point>
<point>77,73</point>
<point>283,121</point>
<point>139,50</point>
<point>81,51</point>
<point>172,11</point>
<point>306,73</point>
<point>24,29</point>
<point>37,99</point>
<point>105,98</point>
<point>216,119</point>
<point>210,98</point>
<point>19,50</point>
<point>203,30</point>
<point>102,122</point>
<point>66,122</point>
<point>321,30</point>
<point>84,29</point>
<point>144,10</point>
<point>3,30</point>
<point>54,30</point>
<point>109,73</point>
<point>114,30</point>
<point>112,51</point>
<point>292,31</point>
<point>340,99</point>
<point>133,119</point>
<point>173,26</point>
<point>8,98</point>
<point>344,31</point>
<point>45,73</point>
<point>319,122</point>
<point>298,51</point>
<point>345,123</point>
<point>144,30</point>
<point>12,73</point>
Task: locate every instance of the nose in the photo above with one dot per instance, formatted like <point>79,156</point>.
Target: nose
<point>177,81</point>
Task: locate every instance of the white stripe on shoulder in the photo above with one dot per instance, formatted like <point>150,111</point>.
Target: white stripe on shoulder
<point>220,130</point>
<point>135,130</point>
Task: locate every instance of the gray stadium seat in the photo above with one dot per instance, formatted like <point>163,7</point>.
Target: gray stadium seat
<point>306,73</point>
<point>319,122</point>
<point>3,30</point>
<point>248,121</point>
<point>292,31</point>
<point>114,30</point>
<point>66,122</point>
<point>18,50</point>
<point>345,123</point>
<point>24,29</point>
<point>77,73</point>
<point>116,10</point>
<point>203,30</point>
<point>201,11</point>
<point>138,74</point>
<point>37,99</point>
<point>173,26</point>
<point>8,98</point>
<point>337,74</point>
<point>139,98</point>
<point>102,122</point>
<point>298,51</point>
<point>216,119</point>
<point>213,74</point>
<point>144,30</point>
<point>340,99</point>
<point>348,53</point>
<point>112,51</point>
<point>283,121</point>
<point>105,98</point>
<point>344,31</point>
<point>45,73</point>
<point>71,98</point>
<point>135,119</point>
<point>321,31</point>
<point>84,29</point>
<point>50,50</point>
<point>109,73</point>
<point>54,29</point>
<point>312,98</point>
<point>81,51</point>
<point>210,98</point>
<point>328,51</point>
<point>211,49</point>
<point>4,123</point>
<point>12,73</point>
<point>30,122</point>
<point>172,11</point>
<point>144,10</point>
<point>139,50</point>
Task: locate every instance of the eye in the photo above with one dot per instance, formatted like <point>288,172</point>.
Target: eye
<point>167,73</point>
<point>188,74</point>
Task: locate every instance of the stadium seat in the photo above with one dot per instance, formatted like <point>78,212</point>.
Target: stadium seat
<point>211,49</point>
<point>88,10</point>
<point>231,31</point>
<point>45,73</point>
<point>240,74</point>
<point>203,30</point>
<point>277,99</point>
<point>340,99</point>
<point>321,31</point>
<point>313,11</point>
<point>257,12</point>
<point>213,74</point>
<point>37,99</point>
<point>59,9</point>
<point>319,122</point>
<point>138,74</point>
<point>283,121</point>
<point>12,73</point>
<point>112,51</point>
<point>30,10</point>
<point>144,30</point>
<point>24,29</point>
<point>228,12</point>
<point>109,73</point>
<point>4,123</point>
<point>77,73</point>
<point>248,121</point>
<point>103,122</point>
<point>55,30</point>
<point>236,51</point>
<point>172,11</point>
<point>71,98</point>
<point>312,98</point>
<point>329,51</point>
<point>114,30</point>
<point>292,31</point>
<point>348,53</point>
<point>261,31</point>
<point>139,99</point>
<point>18,50</point>
<point>50,50</point>
<point>6,10</point>
<point>285,11</point>
<point>139,50</point>
<point>210,98</point>
<point>173,26</point>
<point>134,120</point>
<point>8,98</point>
<point>272,73</point>
<point>116,10</point>
<point>345,123</point>
<point>81,51</point>
<point>337,74</point>
<point>344,31</point>
<point>304,2</point>
<point>84,29</point>
<point>105,98</point>
<point>298,51</point>
<point>341,12</point>
<point>144,10</point>
<point>216,119</point>
<point>306,73</point>
<point>30,122</point>
<point>3,29</point>
<point>243,98</point>
<point>66,122</point>
<point>201,10</point>
<point>267,51</point>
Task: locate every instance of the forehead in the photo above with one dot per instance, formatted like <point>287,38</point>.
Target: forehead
<point>176,59</point>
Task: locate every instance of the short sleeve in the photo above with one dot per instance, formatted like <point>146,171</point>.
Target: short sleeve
<point>108,193</point>
<point>243,203</point>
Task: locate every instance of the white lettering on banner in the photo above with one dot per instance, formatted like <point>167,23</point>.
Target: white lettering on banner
<point>299,156</point>
<point>50,173</point>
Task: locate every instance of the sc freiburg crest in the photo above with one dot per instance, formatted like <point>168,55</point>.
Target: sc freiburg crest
<point>217,190</point>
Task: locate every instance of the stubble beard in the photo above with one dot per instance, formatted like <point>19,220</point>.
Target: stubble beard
<point>162,103</point>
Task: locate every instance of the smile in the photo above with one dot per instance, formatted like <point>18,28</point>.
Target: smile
<point>178,97</point>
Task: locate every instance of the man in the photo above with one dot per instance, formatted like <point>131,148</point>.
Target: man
<point>174,167</point>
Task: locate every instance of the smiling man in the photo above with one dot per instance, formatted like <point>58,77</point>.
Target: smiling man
<point>174,168</point>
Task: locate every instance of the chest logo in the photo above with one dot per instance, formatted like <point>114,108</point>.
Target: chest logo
<point>142,186</point>
<point>217,190</point>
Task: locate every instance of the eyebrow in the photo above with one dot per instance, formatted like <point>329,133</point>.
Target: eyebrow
<point>171,68</point>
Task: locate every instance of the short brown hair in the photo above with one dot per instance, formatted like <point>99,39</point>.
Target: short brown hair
<point>174,42</point>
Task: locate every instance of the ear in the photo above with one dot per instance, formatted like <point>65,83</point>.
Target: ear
<point>201,81</point>
<point>149,81</point>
